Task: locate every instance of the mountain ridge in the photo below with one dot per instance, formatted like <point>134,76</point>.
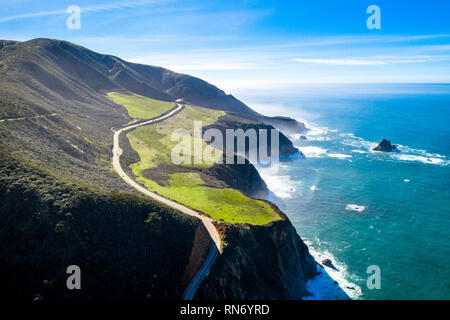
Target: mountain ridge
<point>150,81</point>
<point>55,118</point>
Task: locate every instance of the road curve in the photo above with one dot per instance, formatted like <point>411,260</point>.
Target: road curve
<point>207,222</point>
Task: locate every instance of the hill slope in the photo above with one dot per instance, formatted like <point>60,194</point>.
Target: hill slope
<point>47,62</point>
<point>57,182</point>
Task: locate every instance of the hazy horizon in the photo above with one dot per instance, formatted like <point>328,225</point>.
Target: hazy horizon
<point>248,44</point>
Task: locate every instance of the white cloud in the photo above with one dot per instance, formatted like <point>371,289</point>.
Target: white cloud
<point>416,37</point>
<point>324,41</point>
<point>121,5</point>
<point>344,62</point>
<point>100,8</point>
<point>183,67</point>
<point>442,47</point>
<point>370,61</point>
<point>32,15</point>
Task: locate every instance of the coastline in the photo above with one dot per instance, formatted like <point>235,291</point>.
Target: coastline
<point>332,197</point>
<point>329,284</point>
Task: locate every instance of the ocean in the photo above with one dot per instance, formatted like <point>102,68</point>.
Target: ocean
<point>362,208</point>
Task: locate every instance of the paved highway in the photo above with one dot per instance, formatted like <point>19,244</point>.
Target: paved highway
<point>207,222</point>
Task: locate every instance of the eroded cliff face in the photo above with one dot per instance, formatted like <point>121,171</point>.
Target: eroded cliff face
<point>286,150</point>
<point>127,247</point>
<point>243,177</point>
<point>260,262</point>
<point>285,125</point>
<point>200,249</point>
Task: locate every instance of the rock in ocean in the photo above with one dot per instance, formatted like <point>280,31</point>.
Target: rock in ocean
<point>328,263</point>
<point>385,146</point>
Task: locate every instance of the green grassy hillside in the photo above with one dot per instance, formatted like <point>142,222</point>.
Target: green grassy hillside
<point>191,185</point>
<point>62,203</point>
<point>128,247</point>
<point>140,107</point>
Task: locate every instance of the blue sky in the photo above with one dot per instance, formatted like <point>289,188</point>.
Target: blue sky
<point>254,44</point>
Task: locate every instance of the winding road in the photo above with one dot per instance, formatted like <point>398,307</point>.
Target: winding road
<point>190,291</point>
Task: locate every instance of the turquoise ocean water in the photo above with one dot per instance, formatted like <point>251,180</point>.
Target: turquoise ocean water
<point>359,207</point>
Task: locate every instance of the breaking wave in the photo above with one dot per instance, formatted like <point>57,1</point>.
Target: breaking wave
<point>330,284</point>
<point>355,207</point>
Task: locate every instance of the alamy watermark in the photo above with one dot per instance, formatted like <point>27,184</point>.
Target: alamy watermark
<point>233,147</point>
<point>74,20</point>
<point>374,280</point>
<point>74,280</point>
<point>374,20</point>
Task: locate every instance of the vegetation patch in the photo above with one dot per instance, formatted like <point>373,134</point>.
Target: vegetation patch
<point>50,222</point>
<point>140,107</point>
<point>191,185</point>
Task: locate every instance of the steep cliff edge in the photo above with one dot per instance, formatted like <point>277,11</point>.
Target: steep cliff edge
<point>260,262</point>
<point>243,177</point>
<point>285,124</point>
<point>286,148</point>
<point>127,247</point>
<point>51,220</point>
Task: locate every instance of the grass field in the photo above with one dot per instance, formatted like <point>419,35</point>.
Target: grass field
<point>158,135</point>
<point>154,146</point>
<point>140,107</point>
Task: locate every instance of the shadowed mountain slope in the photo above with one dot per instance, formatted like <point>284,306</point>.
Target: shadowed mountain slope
<point>61,201</point>
<point>71,70</point>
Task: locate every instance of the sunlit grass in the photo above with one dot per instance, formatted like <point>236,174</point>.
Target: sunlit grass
<point>140,107</point>
<point>154,146</point>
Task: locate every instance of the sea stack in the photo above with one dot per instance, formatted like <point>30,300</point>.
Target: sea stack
<point>328,263</point>
<point>385,146</point>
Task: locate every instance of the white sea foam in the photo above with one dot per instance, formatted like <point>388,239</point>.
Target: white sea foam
<point>426,160</point>
<point>295,136</point>
<point>406,153</point>
<point>358,142</point>
<point>347,135</point>
<point>339,155</point>
<point>425,153</point>
<point>314,130</point>
<point>319,138</point>
<point>351,135</point>
<point>355,207</point>
<point>330,284</point>
<point>435,155</point>
<point>407,149</point>
<point>312,152</point>
<point>280,185</point>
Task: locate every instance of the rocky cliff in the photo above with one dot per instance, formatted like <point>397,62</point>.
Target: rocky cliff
<point>260,262</point>
<point>286,148</point>
<point>127,247</point>
<point>68,211</point>
<point>285,125</point>
<point>243,177</point>
<point>385,146</point>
